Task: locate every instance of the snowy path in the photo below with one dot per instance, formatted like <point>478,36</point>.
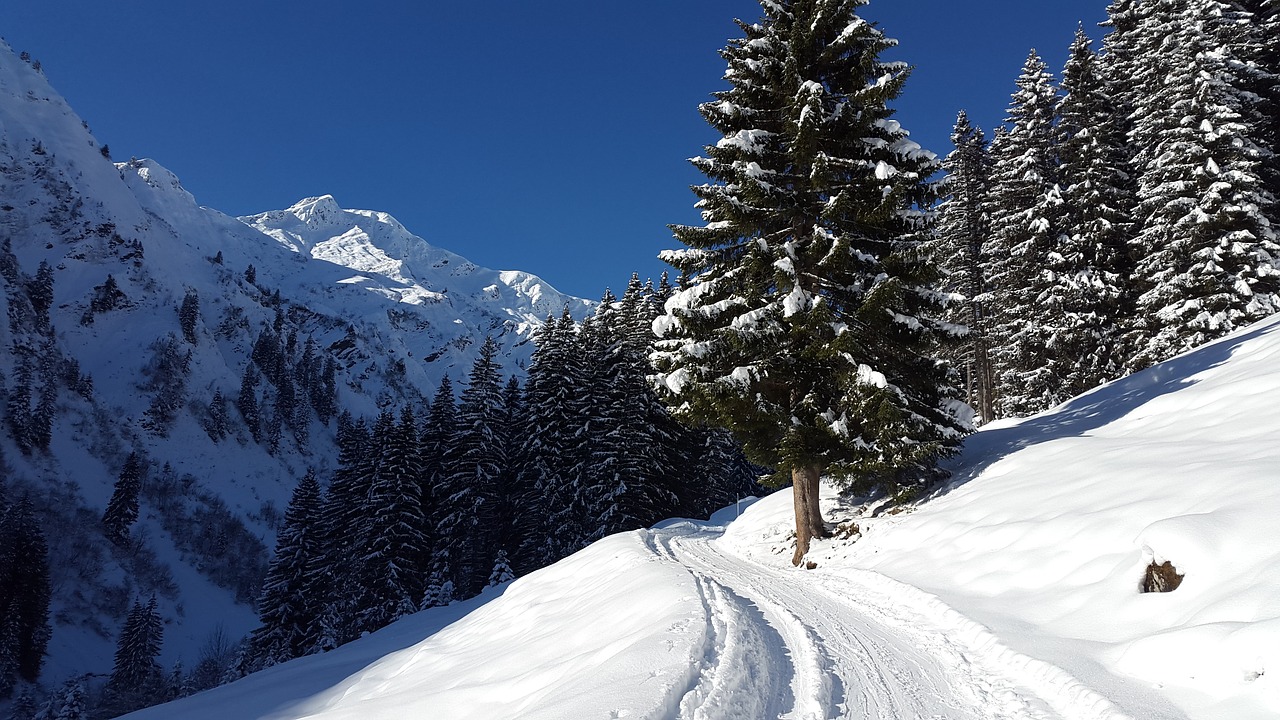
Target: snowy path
<point>819,645</point>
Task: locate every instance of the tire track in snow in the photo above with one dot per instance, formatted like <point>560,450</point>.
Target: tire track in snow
<point>861,647</point>
<point>744,671</point>
<point>1066,696</point>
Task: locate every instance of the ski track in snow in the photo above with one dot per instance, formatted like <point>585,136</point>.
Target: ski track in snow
<point>817,645</point>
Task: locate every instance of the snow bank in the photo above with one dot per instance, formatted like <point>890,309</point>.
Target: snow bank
<point>608,632</point>
<point>1043,537</point>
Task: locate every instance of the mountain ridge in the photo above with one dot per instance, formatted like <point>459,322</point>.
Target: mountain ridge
<point>160,313</point>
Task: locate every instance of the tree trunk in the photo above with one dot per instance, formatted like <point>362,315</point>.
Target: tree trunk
<point>809,524</point>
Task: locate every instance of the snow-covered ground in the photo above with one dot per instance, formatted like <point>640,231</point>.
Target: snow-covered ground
<point>1011,594</point>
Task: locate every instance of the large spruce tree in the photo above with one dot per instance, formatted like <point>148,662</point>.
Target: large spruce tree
<point>25,593</point>
<point>473,494</point>
<point>1096,184</point>
<point>964,223</point>
<point>1023,263</point>
<point>805,323</point>
<point>292,594</point>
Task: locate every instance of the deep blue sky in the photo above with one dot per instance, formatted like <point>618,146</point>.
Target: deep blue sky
<point>544,137</point>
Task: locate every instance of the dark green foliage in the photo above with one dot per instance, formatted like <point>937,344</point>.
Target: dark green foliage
<point>18,402</point>
<point>390,574</point>
<point>70,703</point>
<point>1027,217</point>
<point>1092,257</point>
<point>806,322</point>
<point>247,403</point>
<point>472,495</point>
<point>24,594</point>
<point>438,446</point>
<point>290,605</point>
<point>122,508</point>
<point>1206,248</point>
<point>964,226</point>
<point>341,516</point>
<point>24,706</point>
<point>40,292</point>
<point>631,453</point>
<point>549,450</point>
<point>189,315</point>
<point>136,680</point>
<point>216,422</point>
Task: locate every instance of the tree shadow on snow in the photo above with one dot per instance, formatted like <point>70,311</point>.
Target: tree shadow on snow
<point>1099,407</point>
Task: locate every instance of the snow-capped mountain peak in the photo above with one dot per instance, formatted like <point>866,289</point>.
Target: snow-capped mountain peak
<point>219,350</point>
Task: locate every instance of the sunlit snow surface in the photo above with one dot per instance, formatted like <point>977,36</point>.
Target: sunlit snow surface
<point>1011,594</point>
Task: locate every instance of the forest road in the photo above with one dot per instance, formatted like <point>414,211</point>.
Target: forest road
<point>812,645</point>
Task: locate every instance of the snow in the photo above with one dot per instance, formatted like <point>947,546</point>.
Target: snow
<point>1012,593</point>
<point>354,282</point>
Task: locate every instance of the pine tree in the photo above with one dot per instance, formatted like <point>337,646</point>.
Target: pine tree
<point>189,315</point>
<point>9,648</point>
<point>473,494</point>
<point>501,572</point>
<point>631,440</point>
<point>1260,62</point>
<point>1022,257</point>
<point>437,442</point>
<point>393,576</point>
<point>1097,197</point>
<point>40,292</point>
<point>964,225</point>
<point>217,422</point>
<point>1207,249</point>
<point>25,593</point>
<point>341,512</point>
<point>550,526</point>
<point>68,703</point>
<point>510,422</point>
<point>806,324</point>
<point>353,527</point>
<point>24,706</point>
<point>136,678</point>
<point>247,403</point>
<point>122,508</point>
<point>18,402</point>
<point>290,606</point>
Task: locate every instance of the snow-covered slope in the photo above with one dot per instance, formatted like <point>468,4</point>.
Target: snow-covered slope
<point>121,371</point>
<point>1011,594</point>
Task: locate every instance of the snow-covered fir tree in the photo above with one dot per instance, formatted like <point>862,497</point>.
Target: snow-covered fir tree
<point>340,514</point>
<point>136,678</point>
<point>438,458</point>
<point>292,595</point>
<point>964,224</point>
<point>24,594</point>
<point>549,528</point>
<point>1022,255</point>
<point>1096,185</point>
<point>473,494</point>
<point>391,577</point>
<point>122,508</point>
<point>807,319</point>
<point>1206,248</point>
